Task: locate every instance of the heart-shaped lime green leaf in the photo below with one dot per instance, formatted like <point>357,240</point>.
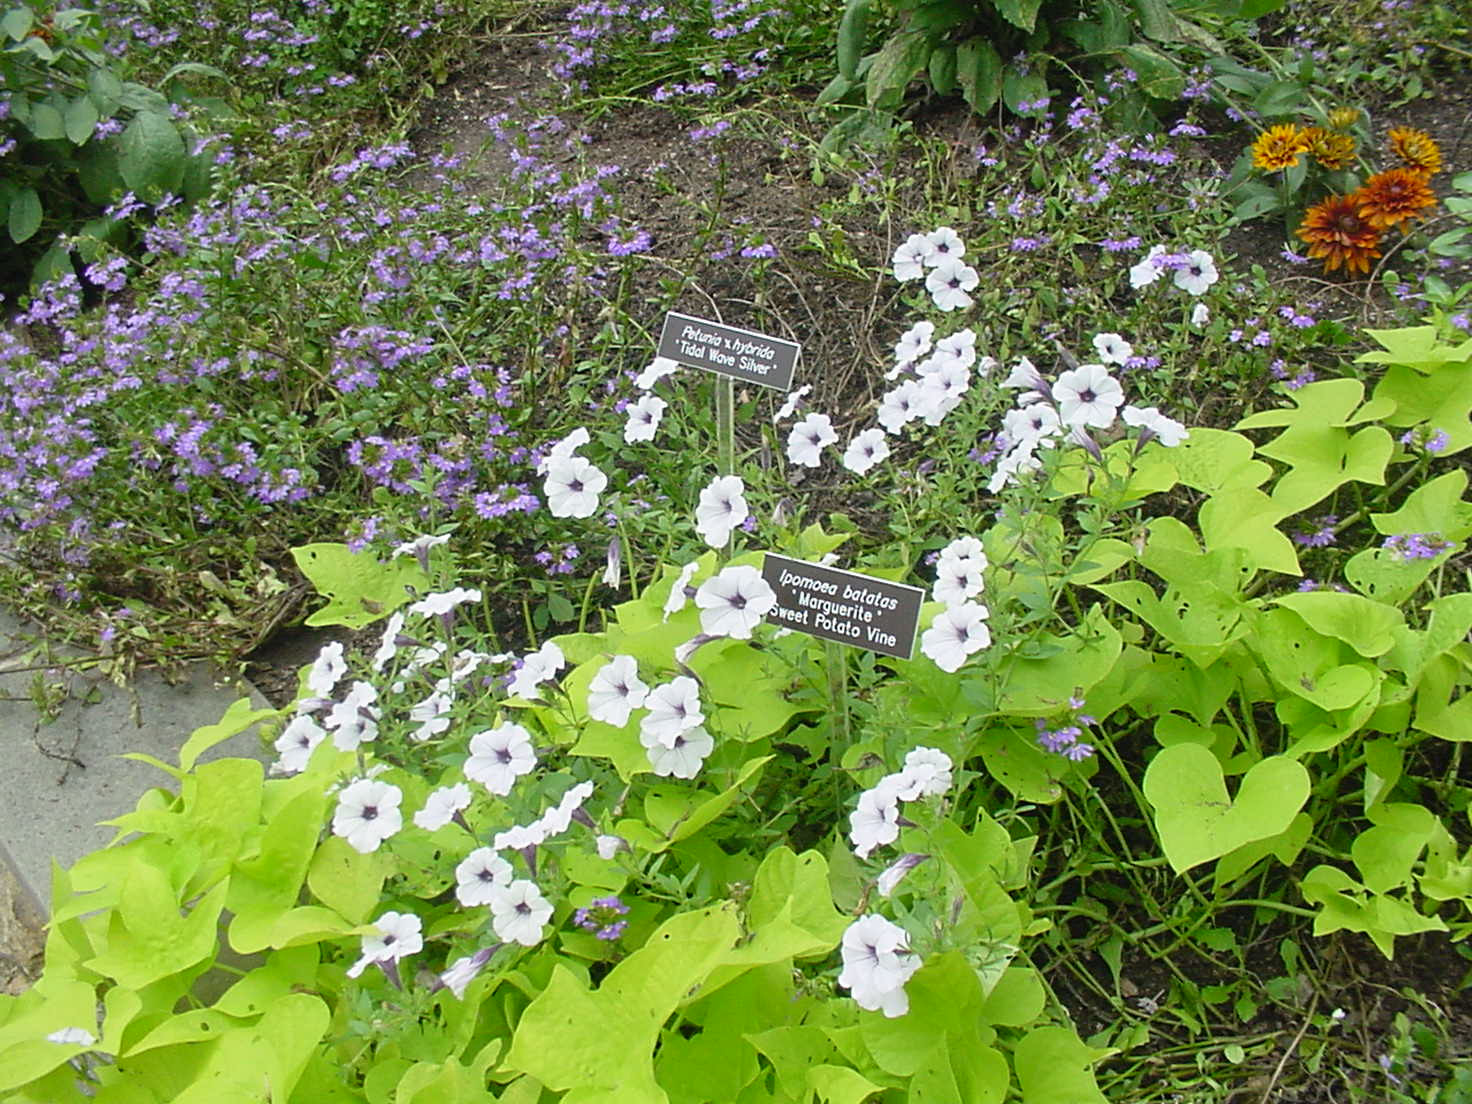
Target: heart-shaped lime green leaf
<point>1199,821</point>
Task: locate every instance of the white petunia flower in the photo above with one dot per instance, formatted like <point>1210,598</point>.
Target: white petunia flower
<point>441,806</point>
<point>895,871</point>
<point>1026,378</point>
<point>1022,458</point>
<point>1034,422</point>
<point>616,691</point>
<point>536,668</point>
<point>354,720</point>
<point>432,715</point>
<point>721,509</point>
<point>419,547</point>
<point>72,1036</point>
<point>957,580</point>
<point>898,406</point>
<point>296,744</point>
<point>1198,274</point>
<point>1146,271</point>
<point>1112,348</point>
<point>734,602</point>
<point>683,757</point>
<point>808,439</point>
<point>1200,315</point>
<point>944,243</point>
<point>914,343</point>
<point>367,814</point>
<point>519,837</point>
<point>909,259</point>
<point>643,418</point>
<point>956,633</point>
<point>572,487</point>
<point>399,934</point>
<point>1088,396</point>
<point>388,644</point>
<point>519,912</point>
<point>865,450</point>
<point>564,448</point>
<point>959,347</point>
<point>499,756</point>
<point>941,390</point>
<point>876,965</point>
<point>478,874</point>
<point>327,668</point>
<point>789,404</point>
<point>460,973</point>
<point>875,822</point>
<point>1168,431</point>
<point>433,605</point>
<point>608,846</point>
<point>677,599</point>
<point>964,548</point>
<point>948,283</point>
<point>927,773</point>
<point>674,707</point>
<point>656,370</point>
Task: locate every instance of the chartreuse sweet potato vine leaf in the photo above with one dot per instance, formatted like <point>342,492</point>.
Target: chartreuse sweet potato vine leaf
<point>1197,819</point>
<point>1318,445</point>
<point>359,588</point>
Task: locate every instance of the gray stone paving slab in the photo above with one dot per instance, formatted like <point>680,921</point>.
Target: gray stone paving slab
<point>62,777</point>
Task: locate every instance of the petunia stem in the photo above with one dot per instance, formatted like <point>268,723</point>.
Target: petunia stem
<point>726,435</point>
<point>837,665</point>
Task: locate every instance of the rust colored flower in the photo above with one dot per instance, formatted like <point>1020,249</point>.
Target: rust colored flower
<point>1278,147</point>
<point>1416,148</point>
<point>1392,197</point>
<point>1333,151</point>
<point>1337,234</point>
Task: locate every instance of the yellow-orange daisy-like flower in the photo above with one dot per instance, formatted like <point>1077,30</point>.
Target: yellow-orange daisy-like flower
<point>1416,148</point>
<point>1342,118</point>
<point>1392,197</point>
<point>1278,147</point>
<point>1336,232</point>
<point>1332,150</point>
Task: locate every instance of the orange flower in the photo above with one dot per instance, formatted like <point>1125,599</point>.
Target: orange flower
<point>1416,148</point>
<point>1336,232</point>
<point>1393,196</point>
<point>1333,151</point>
<point>1278,147</point>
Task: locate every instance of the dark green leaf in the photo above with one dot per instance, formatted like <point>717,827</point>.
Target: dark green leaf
<point>81,117</point>
<point>25,215</point>
<point>97,171</point>
<point>196,67</point>
<point>836,89</point>
<point>1158,21</point>
<point>1279,98</point>
<point>853,30</point>
<point>153,158</point>
<point>1255,206</point>
<point>1019,89</point>
<point>1253,9</point>
<point>1159,76</point>
<point>136,97</point>
<point>106,90</point>
<point>979,72</point>
<point>55,263</point>
<point>1020,13</point>
<point>17,23</point>
<point>895,66</point>
<point>943,70</point>
<point>46,122</point>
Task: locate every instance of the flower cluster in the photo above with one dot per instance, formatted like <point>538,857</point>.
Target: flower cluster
<point>1193,272</point>
<point>936,258</point>
<point>876,820</point>
<point>1065,740</point>
<point>1344,231</point>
